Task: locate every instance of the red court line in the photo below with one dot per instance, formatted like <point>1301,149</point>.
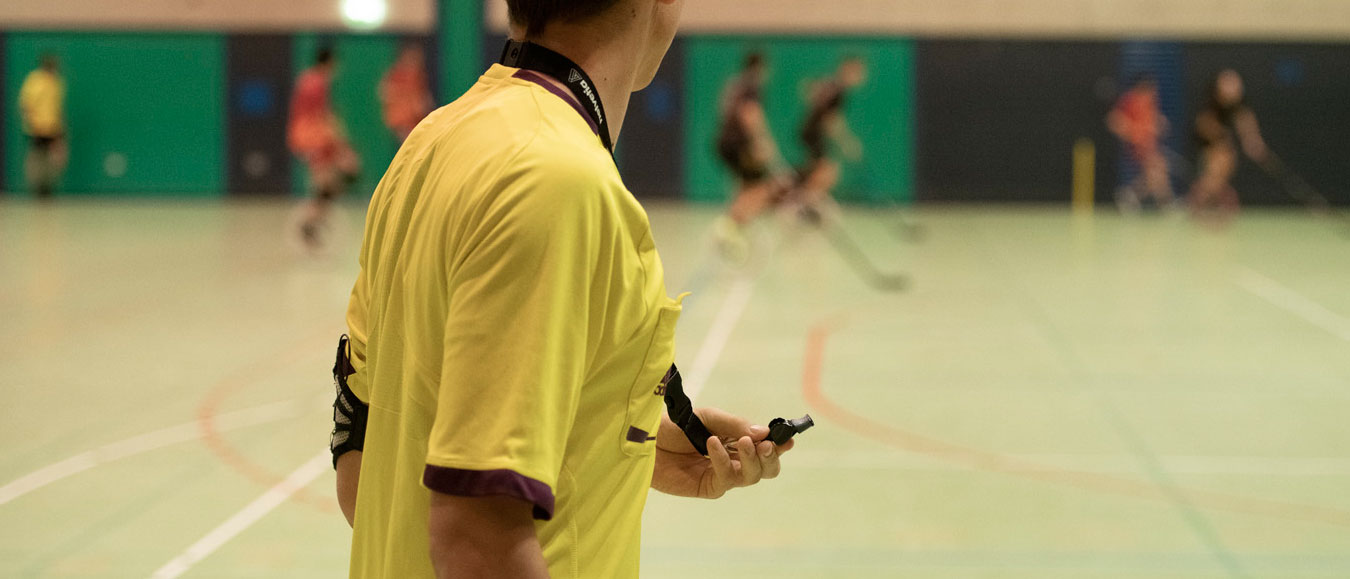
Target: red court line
<point>226,452</point>
<point>989,461</point>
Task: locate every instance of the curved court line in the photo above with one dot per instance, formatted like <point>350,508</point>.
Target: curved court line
<point>207,414</point>
<point>979,459</point>
<point>143,443</point>
<point>246,517</point>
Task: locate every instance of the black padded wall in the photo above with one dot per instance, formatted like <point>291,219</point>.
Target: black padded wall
<point>997,119</point>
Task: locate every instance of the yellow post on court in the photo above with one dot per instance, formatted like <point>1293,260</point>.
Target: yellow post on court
<point>1084,175</point>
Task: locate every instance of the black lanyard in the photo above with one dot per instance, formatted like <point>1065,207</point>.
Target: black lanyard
<point>681,412</point>
<point>531,56</point>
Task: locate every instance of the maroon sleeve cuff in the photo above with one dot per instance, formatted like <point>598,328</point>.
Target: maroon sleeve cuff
<point>481,483</point>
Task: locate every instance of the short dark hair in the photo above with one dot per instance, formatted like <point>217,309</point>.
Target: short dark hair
<point>48,60</point>
<point>534,15</point>
<point>324,55</point>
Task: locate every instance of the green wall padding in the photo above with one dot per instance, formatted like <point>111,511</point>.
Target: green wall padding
<point>880,112</point>
<point>460,30</point>
<point>155,100</point>
<point>362,62</point>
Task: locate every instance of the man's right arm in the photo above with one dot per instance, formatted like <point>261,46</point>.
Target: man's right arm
<point>486,537</point>
<point>518,334</point>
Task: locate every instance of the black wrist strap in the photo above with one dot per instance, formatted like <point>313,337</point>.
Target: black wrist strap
<point>531,56</point>
<point>681,412</point>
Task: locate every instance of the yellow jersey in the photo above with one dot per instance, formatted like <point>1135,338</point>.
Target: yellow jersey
<point>510,329</point>
<point>41,104</point>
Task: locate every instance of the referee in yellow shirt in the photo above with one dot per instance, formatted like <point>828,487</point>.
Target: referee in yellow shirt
<point>42,99</point>
<point>511,339</point>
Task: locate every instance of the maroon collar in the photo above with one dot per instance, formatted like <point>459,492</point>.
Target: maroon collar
<point>536,78</point>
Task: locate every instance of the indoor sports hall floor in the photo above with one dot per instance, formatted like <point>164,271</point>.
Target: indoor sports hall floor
<point>1053,397</point>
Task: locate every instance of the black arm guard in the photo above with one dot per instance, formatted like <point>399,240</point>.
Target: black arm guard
<point>349,413</point>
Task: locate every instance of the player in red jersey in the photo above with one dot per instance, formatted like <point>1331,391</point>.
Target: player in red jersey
<point>1138,122</point>
<point>404,92</point>
<point>317,137</point>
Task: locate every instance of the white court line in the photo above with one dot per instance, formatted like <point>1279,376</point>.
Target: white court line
<point>1294,303</point>
<point>716,340</point>
<point>252,513</point>
<point>143,443</point>
<point>1090,463</point>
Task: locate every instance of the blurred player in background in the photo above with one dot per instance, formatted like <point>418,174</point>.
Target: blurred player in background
<point>316,135</point>
<point>1138,122</point>
<point>405,93</point>
<point>42,111</point>
<point>746,145</point>
<point>826,124</point>
<point>1224,124</point>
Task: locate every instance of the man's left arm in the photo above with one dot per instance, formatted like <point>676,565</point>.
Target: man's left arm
<point>347,461</point>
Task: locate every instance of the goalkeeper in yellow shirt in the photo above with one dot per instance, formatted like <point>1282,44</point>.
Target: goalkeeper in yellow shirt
<point>42,112</point>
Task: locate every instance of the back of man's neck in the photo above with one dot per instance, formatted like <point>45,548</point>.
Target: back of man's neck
<point>612,70</point>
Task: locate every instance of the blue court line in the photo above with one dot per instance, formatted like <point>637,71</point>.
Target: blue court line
<point>1200,525</point>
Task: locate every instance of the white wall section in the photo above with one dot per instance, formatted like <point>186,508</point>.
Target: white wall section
<point>1188,19</point>
<point>241,15</point>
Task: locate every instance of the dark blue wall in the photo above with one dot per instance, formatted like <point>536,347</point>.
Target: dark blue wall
<point>259,77</point>
<point>651,148</point>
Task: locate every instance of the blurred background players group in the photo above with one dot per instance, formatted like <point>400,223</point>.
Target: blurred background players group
<point>746,145</point>
<point>1224,125</point>
<point>316,135</point>
<point>315,132</point>
<point>1224,130</point>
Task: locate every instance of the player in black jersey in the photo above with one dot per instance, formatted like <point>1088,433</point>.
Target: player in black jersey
<point>825,124</point>
<point>1222,126</point>
<point>745,144</point>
